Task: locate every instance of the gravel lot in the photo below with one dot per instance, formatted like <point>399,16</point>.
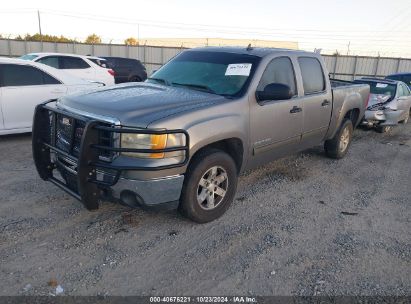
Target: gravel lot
<point>304,225</point>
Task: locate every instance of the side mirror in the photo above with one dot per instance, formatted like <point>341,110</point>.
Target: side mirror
<point>274,91</point>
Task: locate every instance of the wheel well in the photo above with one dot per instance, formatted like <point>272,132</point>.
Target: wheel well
<point>353,115</point>
<point>136,77</point>
<point>232,146</point>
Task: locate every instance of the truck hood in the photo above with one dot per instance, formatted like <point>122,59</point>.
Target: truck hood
<point>138,104</point>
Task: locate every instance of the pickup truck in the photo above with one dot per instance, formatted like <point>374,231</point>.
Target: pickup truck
<point>182,138</point>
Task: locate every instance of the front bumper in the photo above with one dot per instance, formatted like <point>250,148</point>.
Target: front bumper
<point>382,117</point>
<point>90,178</point>
<point>157,193</point>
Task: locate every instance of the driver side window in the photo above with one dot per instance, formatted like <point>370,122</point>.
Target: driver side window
<point>279,70</point>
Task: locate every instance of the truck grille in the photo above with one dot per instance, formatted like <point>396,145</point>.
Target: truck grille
<point>68,134</point>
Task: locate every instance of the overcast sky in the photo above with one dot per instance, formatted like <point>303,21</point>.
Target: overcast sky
<point>367,26</point>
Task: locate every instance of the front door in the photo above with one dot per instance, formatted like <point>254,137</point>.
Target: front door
<point>276,126</point>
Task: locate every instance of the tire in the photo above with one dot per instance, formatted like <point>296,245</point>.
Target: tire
<point>407,118</point>
<point>383,129</point>
<point>199,178</point>
<point>135,79</point>
<point>338,146</point>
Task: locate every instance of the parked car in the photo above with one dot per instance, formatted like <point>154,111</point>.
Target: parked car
<point>127,69</point>
<point>182,138</point>
<point>389,103</point>
<point>24,85</point>
<point>404,77</point>
<point>85,67</point>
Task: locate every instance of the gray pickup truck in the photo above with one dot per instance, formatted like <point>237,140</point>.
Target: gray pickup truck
<point>181,139</point>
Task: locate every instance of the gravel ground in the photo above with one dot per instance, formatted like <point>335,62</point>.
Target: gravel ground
<point>303,225</point>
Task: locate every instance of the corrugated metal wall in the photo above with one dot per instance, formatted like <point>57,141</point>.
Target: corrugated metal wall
<point>341,67</point>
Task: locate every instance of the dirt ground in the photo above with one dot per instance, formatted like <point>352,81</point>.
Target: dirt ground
<point>303,225</point>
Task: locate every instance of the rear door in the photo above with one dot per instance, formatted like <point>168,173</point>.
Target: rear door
<point>123,68</point>
<point>276,126</point>
<point>78,67</point>
<point>317,101</point>
<point>24,87</point>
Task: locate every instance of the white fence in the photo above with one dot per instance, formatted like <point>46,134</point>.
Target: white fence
<point>341,67</point>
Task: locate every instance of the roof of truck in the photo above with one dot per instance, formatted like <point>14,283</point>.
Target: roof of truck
<point>256,51</point>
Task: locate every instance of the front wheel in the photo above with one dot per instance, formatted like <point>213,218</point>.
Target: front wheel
<point>209,186</point>
<point>383,129</point>
<point>407,117</point>
<point>338,146</point>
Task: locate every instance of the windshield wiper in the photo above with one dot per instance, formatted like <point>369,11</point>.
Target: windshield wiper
<point>163,81</point>
<point>195,86</point>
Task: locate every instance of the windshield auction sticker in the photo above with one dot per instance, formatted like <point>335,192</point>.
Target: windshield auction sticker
<point>238,69</point>
<point>381,85</point>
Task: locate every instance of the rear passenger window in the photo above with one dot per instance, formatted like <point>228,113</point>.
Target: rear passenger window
<point>312,74</point>
<point>23,75</point>
<point>73,63</point>
<point>279,70</point>
<point>52,61</point>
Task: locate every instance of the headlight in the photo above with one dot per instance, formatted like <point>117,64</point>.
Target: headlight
<point>152,142</point>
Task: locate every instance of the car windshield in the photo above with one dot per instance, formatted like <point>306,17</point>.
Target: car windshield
<point>28,57</point>
<point>380,88</point>
<point>221,73</point>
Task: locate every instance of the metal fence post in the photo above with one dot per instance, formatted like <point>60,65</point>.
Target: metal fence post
<point>355,67</point>
<point>376,66</point>
<point>398,65</point>
<point>9,47</point>
<point>335,65</point>
<point>145,58</point>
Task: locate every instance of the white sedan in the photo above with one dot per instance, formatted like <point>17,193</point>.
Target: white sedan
<point>85,67</point>
<point>25,84</point>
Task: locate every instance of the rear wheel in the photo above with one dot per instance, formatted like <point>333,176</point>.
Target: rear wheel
<point>209,186</point>
<point>338,146</point>
<point>135,79</point>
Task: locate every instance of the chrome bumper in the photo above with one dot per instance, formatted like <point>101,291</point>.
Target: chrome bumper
<point>162,192</point>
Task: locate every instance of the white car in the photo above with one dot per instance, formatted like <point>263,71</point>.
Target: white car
<point>85,67</point>
<point>25,84</point>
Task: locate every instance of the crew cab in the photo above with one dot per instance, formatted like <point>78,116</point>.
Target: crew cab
<point>181,139</point>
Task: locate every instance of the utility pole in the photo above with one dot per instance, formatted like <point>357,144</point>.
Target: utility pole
<point>38,17</point>
<point>348,47</point>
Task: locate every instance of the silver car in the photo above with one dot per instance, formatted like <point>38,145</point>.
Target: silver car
<point>389,103</point>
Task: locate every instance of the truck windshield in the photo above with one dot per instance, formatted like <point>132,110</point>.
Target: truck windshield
<point>221,73</point>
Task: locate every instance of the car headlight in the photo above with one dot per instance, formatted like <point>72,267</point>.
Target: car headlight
<point>152,142</point>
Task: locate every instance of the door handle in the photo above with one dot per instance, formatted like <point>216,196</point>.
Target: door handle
<point>295,109</point>
<point>325,103</point>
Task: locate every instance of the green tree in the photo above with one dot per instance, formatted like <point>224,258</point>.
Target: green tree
<point>93,39</point>
<point>131,41</point>
<point>45,38</point>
